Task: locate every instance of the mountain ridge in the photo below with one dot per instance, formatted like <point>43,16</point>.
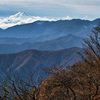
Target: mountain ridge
<point>35,60</point>
<point>49,28</point>
<point>53,45</point>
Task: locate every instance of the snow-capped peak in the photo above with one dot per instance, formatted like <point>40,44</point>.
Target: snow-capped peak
<point>21,18</point>
<point>19,14</point>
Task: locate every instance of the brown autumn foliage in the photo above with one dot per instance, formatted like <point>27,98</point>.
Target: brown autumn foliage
<point>82,81</point>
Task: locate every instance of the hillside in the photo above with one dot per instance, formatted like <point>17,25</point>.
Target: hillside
<point>33,60</point>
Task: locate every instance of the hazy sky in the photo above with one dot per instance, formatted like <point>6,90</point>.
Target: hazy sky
<point>52,8</point>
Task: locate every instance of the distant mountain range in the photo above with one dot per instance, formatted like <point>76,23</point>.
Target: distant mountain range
<point>57,44</point>
<point>33,60</point>
<point>45,35</point>
<point>47,30</point>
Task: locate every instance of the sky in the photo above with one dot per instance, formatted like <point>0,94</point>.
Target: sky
<point>83,9</point>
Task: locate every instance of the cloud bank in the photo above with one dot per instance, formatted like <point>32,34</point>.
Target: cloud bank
<point>23,18</point>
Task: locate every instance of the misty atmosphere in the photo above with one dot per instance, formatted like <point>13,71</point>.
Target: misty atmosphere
<point>49,50</point>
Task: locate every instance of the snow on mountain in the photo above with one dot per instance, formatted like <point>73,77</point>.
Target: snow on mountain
<point>19,14</point>
<point>18,19</point>
<point>22,18</point>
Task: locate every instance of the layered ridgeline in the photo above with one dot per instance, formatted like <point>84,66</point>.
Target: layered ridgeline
<point>45,35</point>
<point>56,44</point>
<point>29,61</point>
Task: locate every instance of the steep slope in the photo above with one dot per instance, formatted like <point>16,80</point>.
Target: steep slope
<point>34,60</point>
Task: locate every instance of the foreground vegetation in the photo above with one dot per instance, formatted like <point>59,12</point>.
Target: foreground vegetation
<point>78,82</point>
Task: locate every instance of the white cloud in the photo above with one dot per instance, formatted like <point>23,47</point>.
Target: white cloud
<point>67,18</point>
<point>22,18</point>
